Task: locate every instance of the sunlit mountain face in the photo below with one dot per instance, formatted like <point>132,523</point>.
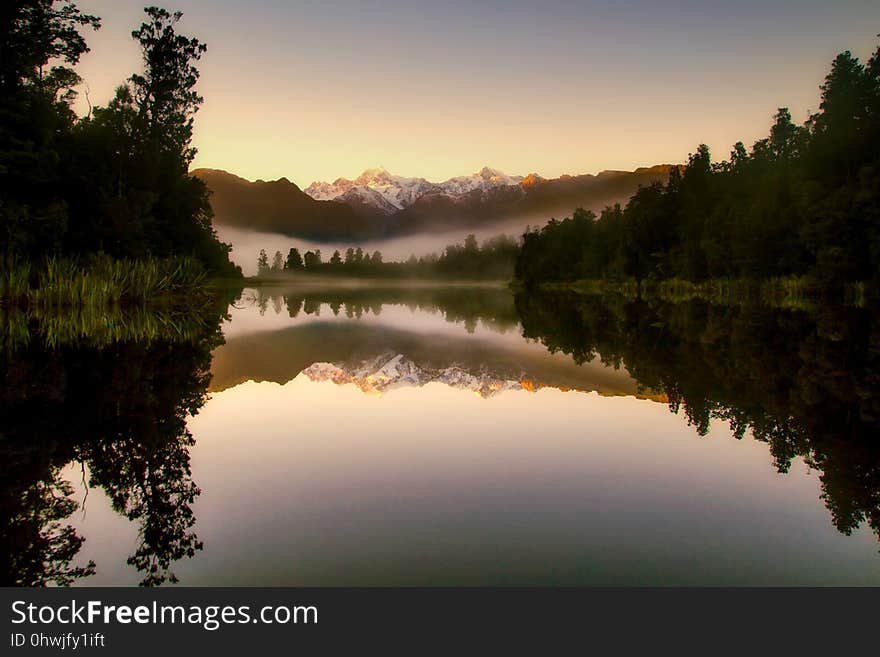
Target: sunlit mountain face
<point>379,205</point>
<point>385,190</point>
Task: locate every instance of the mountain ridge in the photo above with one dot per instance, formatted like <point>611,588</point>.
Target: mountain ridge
<point>378,204</point>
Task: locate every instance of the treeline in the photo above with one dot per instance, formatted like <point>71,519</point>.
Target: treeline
<point>493,306</point>
<point>493,259</point>
<point>803,202</point>
<point>114,182</point>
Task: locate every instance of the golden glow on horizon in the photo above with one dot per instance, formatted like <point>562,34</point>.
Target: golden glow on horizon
<point>318,94</point>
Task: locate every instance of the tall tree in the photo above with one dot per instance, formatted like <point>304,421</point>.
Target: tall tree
<point>294,260</point>
<point>40,42</point>
<point>165,93</point>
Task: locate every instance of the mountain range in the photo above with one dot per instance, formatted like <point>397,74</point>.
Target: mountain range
<point>390,370</point>
<point>378,204</point>
<point>389,193</point>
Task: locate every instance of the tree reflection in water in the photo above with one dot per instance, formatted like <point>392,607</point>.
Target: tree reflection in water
<point>119,407</point>
<point>805,381</point>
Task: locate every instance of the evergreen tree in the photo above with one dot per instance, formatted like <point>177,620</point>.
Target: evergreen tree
<point>804,202</point>
<point>294,260</point>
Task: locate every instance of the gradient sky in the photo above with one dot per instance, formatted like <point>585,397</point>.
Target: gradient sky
<point>318,90</point>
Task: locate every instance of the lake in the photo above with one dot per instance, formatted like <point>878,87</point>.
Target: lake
<point>445,435</point>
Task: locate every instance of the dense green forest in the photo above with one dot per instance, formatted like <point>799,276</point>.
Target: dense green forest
<point>493,259</point>
<point>114,183</point>
<point>803,202</point>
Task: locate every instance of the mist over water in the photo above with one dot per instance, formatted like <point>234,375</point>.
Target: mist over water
<point>246,244</point>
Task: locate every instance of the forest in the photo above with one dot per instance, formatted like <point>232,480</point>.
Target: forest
<point>802,204</point>
<point>492,260</point>
<point>113,184</point>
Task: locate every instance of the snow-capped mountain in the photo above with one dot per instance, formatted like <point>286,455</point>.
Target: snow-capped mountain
<point>389,193</point>
<point>379,205</point>
<point>483,179</point>
<point>376,187</point>
<point>357,196</point>
<point>396,370</point>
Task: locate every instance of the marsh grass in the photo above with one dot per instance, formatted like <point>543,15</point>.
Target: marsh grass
<point>103,301</point>
<point>100,282</point>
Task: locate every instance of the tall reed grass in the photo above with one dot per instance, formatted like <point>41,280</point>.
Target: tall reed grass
<point>98,283</point>
<point>100,327</point>
<point>102,301</point>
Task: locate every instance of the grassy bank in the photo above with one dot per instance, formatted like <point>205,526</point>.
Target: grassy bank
<point>102,327</point>
<point>789,292</point>
<point>99,282</point>
<point>100,301</point>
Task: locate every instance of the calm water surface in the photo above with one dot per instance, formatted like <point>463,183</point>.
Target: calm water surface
<point>460,436</point>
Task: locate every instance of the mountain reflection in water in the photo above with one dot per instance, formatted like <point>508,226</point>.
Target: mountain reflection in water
<point>504,439</point>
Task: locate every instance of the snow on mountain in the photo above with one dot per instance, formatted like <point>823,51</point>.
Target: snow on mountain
<point>388,193</point>
<point>483,179</point>
<point>367,196</point>
<point>396,370</point>
<point>373,184</point>
<point>324,191</point>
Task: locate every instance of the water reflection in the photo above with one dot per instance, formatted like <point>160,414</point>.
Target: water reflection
<point>405,336</point>
<point>115,401</point>
<point>806,382</point>
<point>481,461</point>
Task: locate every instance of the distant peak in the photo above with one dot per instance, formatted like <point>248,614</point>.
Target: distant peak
<point>489,172</point>
<point>532,179</point>
<point>376,175</point>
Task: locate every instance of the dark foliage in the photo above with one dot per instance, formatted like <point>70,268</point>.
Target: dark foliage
<point>803,382</point>
<point>803,202</point>
<point>119,407</point>
<point>491,260</point>
<point>116,181</point>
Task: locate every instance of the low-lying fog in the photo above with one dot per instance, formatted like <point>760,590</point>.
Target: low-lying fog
<point>246,244</point>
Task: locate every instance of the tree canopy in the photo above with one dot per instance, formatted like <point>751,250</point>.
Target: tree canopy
<point>115,181</point>
<point>804,201</point>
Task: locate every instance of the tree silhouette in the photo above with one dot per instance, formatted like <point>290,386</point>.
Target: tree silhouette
<point>294,260</point>
<point>120,408</point>
<point>114,182</point>
<point>802,203</point>
<point>778,374</point>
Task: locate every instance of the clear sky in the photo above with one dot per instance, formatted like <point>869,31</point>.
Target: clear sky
<point>318,90</point>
